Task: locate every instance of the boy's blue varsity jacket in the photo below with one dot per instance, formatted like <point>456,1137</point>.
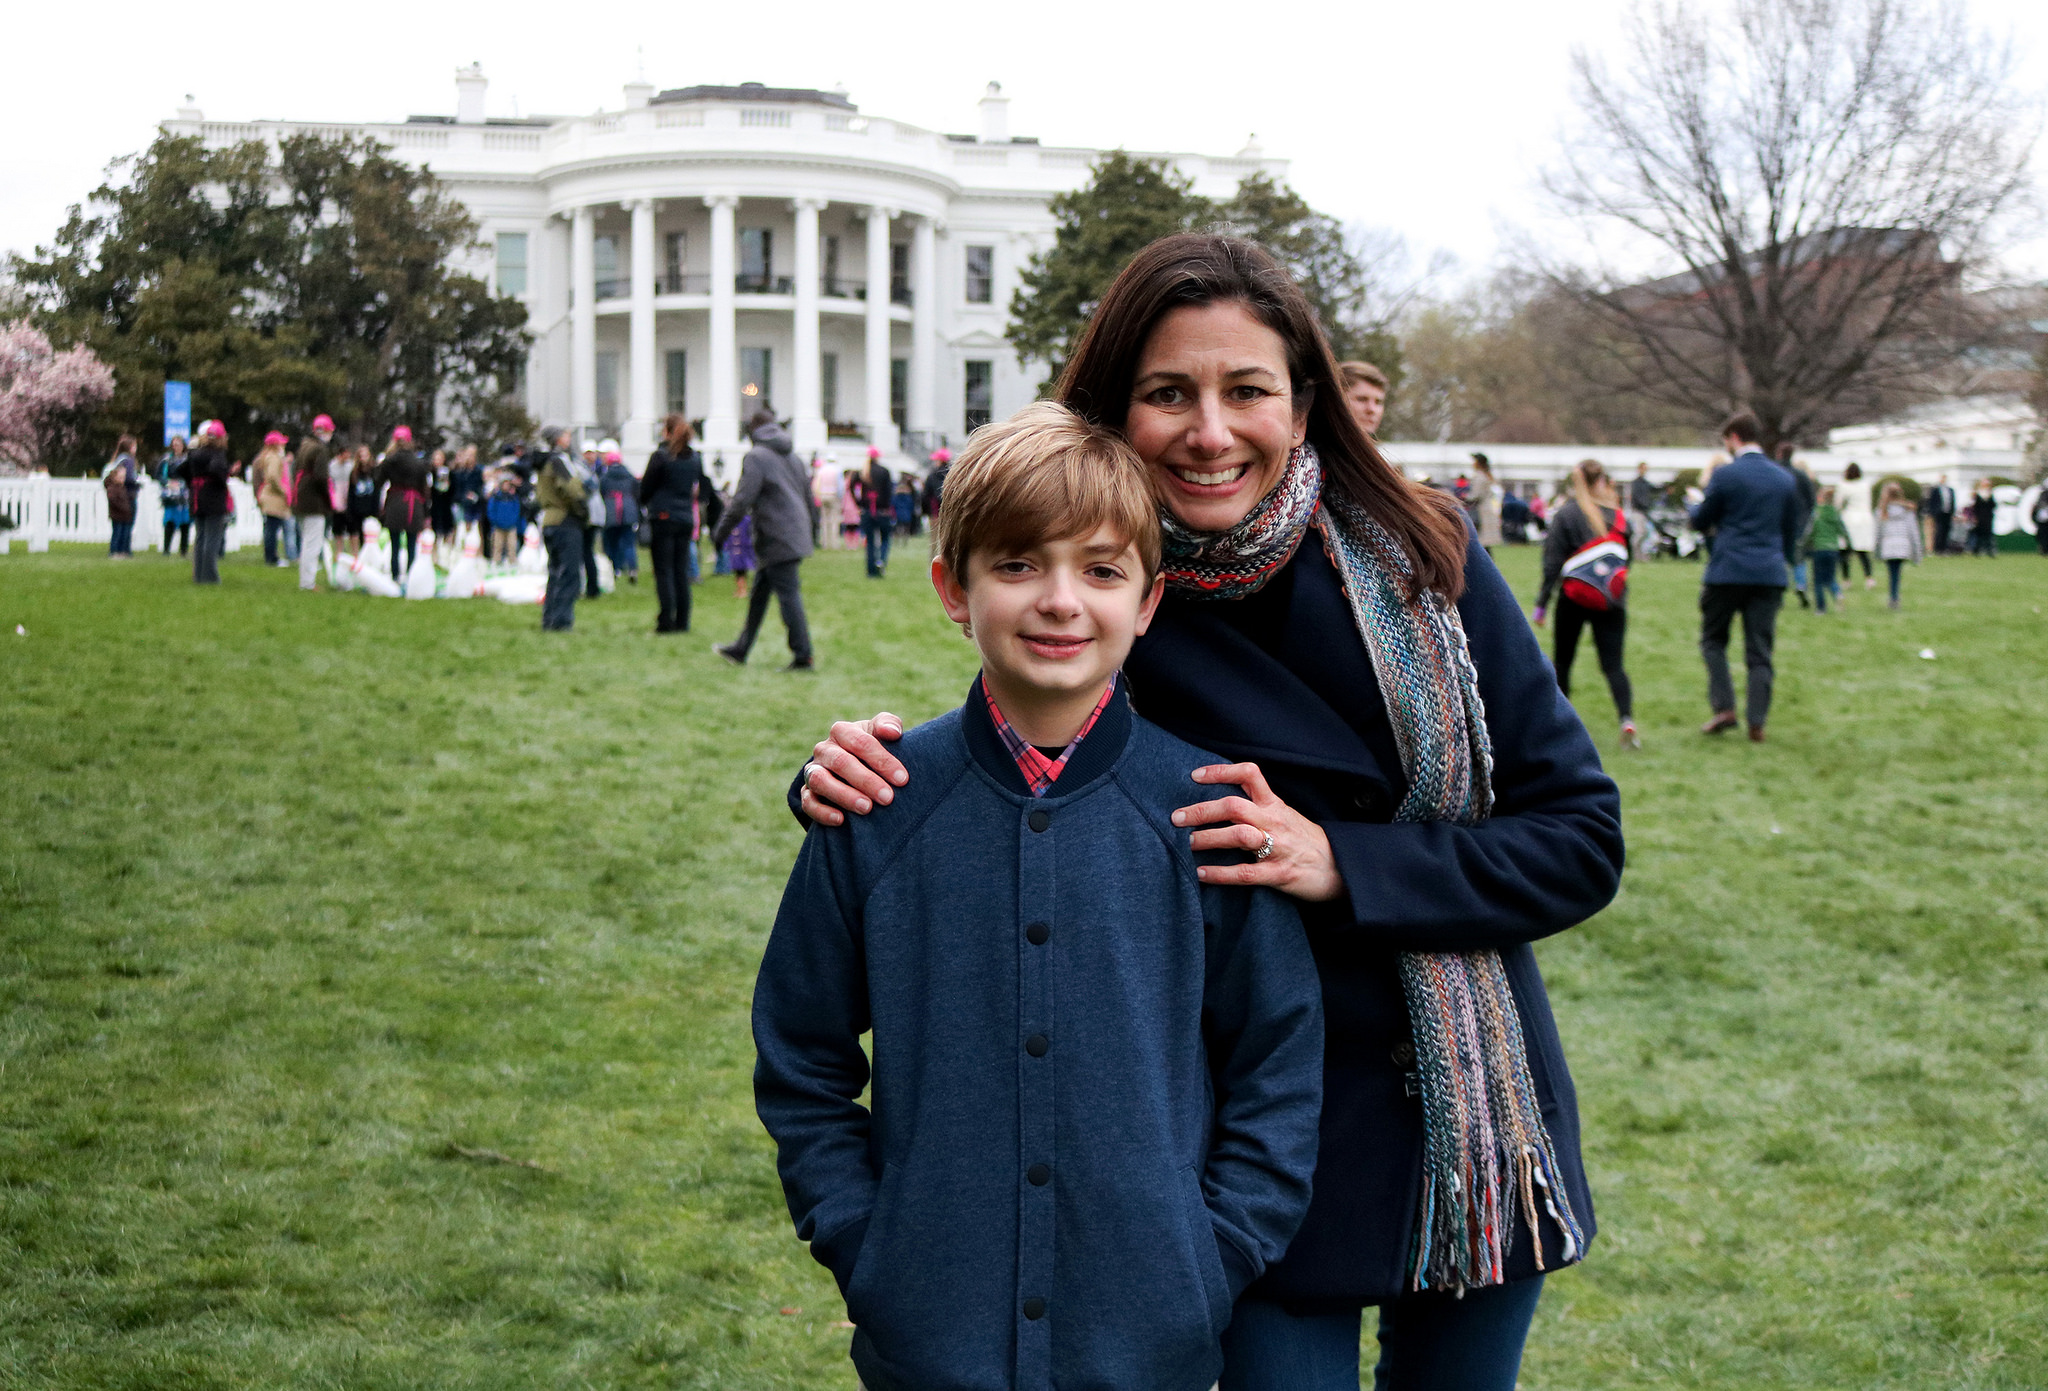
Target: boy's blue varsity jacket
<point>1096,1081</point>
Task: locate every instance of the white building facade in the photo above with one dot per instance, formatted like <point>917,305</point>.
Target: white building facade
<point>717,250</point>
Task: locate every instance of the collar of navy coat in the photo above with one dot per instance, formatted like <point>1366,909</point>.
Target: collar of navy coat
<point>1096,754</point>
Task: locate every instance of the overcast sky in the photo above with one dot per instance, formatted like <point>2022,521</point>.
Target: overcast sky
<point>1431,120</point>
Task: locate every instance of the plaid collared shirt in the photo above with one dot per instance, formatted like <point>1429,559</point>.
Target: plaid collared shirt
<point>1040,772</point>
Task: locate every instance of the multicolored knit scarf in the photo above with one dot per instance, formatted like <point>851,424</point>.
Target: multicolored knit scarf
<point>1488,1161</point>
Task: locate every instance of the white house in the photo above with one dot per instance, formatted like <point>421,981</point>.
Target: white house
<point>712,250</point>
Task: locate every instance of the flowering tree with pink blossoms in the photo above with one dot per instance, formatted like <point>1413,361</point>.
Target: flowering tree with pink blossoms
<point>43,393</point>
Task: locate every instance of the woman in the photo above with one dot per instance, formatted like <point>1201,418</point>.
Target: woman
<point>358,488</point>
<point>1983,512</point>
<point>1589,514</point>
<point>1898,535</point>
<point>1828,537</point>
<point>1858,521</point>
<point>441,505</point>
<point>207,473</point>
<point>174,498</point>
<point>267,473</point>
<point>403,478</point>
<point>466,484</point>
<point>850,493</point>
<point>1483,502</point>
<point>670,489</point>
<point>123,484</point>
<point>1420,786</point>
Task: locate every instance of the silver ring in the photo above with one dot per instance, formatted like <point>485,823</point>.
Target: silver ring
<point>1264,850</point>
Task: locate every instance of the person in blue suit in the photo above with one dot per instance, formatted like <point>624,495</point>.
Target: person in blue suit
<point>1754,511</point>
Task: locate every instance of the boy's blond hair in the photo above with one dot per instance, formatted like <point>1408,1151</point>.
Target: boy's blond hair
<point>1045,474</point>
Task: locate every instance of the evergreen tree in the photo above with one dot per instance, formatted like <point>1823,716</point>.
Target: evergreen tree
<point>323,280</point>
<point>1129,204</point>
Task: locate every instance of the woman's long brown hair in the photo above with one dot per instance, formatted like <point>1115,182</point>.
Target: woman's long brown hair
<point>1195,268</point>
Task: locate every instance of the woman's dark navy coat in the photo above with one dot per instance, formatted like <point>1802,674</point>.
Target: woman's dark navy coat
<point>1281,678</point>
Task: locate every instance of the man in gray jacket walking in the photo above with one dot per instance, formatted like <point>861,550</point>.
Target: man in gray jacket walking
<point>775,490</point>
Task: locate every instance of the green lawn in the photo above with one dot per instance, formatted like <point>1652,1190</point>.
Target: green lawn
<point>316,909</point>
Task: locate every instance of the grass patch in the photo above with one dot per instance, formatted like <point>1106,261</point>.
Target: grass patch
<point>374,984</point>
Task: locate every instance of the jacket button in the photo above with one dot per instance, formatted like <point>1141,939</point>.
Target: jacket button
<point>1038,1175</point>
<point>1038,820</point>
<point>1034,1308</point>
<point>1036,934</point>
<point>1404,1053</point>
<point>1036,1045</point>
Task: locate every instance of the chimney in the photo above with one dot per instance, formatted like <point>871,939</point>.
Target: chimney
<point>995,116</point>
<point>638,93</point>
<point>190,110</point>
<point>470,84</point>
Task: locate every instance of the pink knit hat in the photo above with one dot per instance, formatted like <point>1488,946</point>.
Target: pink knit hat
<point>276,437</point>
<point>324,422</point>
<point>403,434</point>
<point>942,455</point>
<point>215,429</point>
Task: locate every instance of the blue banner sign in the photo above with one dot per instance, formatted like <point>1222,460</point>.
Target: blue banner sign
<point>177,410</point>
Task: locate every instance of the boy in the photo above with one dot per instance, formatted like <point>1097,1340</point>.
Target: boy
<point>1096,1081</point>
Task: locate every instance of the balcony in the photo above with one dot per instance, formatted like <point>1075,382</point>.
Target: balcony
<point>832,287</point>
<point>747,284</point>
<point>618,288</point>
<point>681,283</point>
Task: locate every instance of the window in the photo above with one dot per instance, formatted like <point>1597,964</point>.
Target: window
<point>678,246</point>
<point>981,274</point>
<point>756,380</point>
<point>678,383</point>
<point>899,391</point>
<point>899,273</point>
<point>828,386</point>
<point>511,263</point>
<point>830,258</point>
<point>609,286</point>
<point>980,394</point>
<point>757,260</point>
<point>607,391</point>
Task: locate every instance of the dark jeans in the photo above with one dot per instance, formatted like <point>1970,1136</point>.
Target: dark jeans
<point>622,544</point>
<point>565,558</point>
<point>1758,604</point>
<point>207,548</point>
<point>781,578</point>
<point>1982,542</point>
<point>1894,569</point>
<point>878,530</point>
<point>1848,555</point>
<point>411,541</point>
<point>670,557</point>
<point>1428,1342</point>
<point>1824,583</point>
<point>123,540</point>
<point>274,543</point>
<point>1942,527</point>
<point>183,531</point>
<point>1610,632</point>
<point>592,536</point>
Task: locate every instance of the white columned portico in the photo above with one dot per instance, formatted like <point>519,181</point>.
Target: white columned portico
<point>583,316</point>
<point>810,412</point>
<point>924,328</point>
<point>881,428</point>
<point>721,422</point>
<point>641,412</point>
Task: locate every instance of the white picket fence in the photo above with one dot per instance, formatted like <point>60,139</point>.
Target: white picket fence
<point>75,509</point>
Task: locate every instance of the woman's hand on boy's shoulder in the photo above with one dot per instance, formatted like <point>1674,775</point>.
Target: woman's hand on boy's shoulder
<point>1289,852</point>
<point>850,771</point>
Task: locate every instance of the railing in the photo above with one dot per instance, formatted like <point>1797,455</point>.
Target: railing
<point>677,282</point>
<point>764,284</point>
<point>831,287</point>
<point>919,444</point>
<point>75,509</point>
<point>899,293</point>
<point>614,289</point>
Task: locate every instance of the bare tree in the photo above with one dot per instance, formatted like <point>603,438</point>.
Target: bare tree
<point>1826,172</point>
